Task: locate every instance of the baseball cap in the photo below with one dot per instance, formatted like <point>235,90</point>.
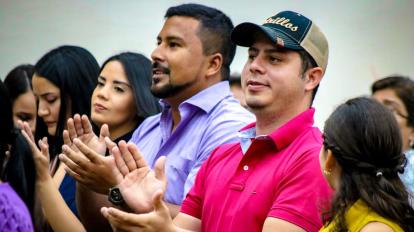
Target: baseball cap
<point>290,30</point>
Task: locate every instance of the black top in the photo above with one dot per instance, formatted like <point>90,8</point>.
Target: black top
<point>126,137</point>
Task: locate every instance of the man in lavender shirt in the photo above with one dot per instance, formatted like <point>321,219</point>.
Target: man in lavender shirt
<point>191,69</point>
<point>191,66</point>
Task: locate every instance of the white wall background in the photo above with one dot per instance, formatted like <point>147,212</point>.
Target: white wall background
<point>368,38</point>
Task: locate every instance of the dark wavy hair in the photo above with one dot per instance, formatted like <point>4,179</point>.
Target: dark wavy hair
<point>74,71</point>
<point>138,70</point>
<point>214,32</point>
<point>365,140</point>
<point>19,168</point>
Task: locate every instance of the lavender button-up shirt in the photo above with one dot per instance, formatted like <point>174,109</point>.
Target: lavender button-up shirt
<point>210,118</point>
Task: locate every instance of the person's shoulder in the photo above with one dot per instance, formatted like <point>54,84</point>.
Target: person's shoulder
<point>310,139</point>
<point>13,210</point>
<point>150,122</point>
<point>148,125</point>
<point>376,227</point>
<point>151,119</point>
<point>304,150</point>
<point>230,109</point>
<point>6,189</point>
<point>223,150</point>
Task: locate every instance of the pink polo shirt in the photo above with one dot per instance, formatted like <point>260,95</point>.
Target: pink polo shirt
<point>277,176</point>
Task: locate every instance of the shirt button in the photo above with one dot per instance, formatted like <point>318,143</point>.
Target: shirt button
<point>245,167</point>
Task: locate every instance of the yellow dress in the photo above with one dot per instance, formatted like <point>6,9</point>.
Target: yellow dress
<point>360,215</point>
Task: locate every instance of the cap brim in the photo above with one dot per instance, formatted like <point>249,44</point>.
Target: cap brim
<point>245,34</point>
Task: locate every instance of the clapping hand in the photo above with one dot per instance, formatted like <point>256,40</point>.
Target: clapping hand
<point>158,220</point>
<point>41,157</point>
<point>139,182</point>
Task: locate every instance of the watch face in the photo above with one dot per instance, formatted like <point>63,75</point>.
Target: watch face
<point>115,196</point>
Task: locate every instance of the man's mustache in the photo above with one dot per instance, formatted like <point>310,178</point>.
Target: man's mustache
<point>159,66</point>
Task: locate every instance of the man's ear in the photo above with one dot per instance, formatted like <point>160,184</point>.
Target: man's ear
<point>215,62</point>
<point>313,77</point>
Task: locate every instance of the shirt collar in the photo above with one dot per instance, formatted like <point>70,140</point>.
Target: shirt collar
<point>285,134</point>
<point>206,99</point>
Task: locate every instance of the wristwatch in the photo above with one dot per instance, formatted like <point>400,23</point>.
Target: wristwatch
<point>115,196</point>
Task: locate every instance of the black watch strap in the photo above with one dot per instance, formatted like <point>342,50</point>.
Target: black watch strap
<point>115,196</point>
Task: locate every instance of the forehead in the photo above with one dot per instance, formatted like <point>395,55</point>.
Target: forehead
<point>41,85</point>
<point>183,27</point>
<point>25,102</point>
<point>388,97</point>
<point>114,70</point>
<point>387,94</point>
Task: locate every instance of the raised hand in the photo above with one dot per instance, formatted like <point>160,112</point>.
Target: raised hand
<point>157,220</point>
<point>56,211</point>
<point>139,182</point>
<point>96,172</point>
<point>41,157</point>
<point>81,128</point>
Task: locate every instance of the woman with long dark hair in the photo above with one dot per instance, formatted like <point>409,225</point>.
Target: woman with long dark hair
<point>361,158</point>
<point>63,82</point>
<point>19,85</point>
<point>122,98</point>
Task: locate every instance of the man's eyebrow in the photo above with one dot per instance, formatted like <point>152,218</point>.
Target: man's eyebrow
<point>170,37</point>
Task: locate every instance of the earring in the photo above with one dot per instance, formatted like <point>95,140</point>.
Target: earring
<point>327,173</point>
<point>411,143</point>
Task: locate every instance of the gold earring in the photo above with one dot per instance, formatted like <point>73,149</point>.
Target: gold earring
<point>327,173</point>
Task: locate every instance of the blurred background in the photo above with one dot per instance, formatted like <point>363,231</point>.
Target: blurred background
<point>369,39</point>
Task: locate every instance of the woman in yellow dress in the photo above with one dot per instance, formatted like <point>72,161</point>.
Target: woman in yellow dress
<point>361,158</point>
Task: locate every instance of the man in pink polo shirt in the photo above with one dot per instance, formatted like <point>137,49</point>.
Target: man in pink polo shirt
<point>271,179</point>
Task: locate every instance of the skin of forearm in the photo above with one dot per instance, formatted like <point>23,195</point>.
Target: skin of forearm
<point>89,206</point>
<point>178,229</point>
<point>57,213</point>
<point>174,209</point>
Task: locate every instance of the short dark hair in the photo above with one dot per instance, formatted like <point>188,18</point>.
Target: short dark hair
<point>19,169</point>
<point>365,139</point>
<point>75,72</point>
<point>307,63</point>
<point>214,32</point>
<point>403,88</point>
<point>138,70</point>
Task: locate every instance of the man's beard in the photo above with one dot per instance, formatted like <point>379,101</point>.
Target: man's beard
<point>168,90</point>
